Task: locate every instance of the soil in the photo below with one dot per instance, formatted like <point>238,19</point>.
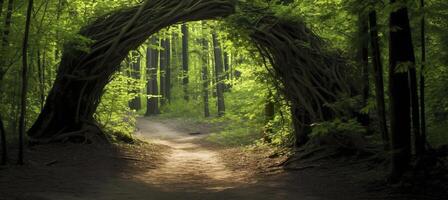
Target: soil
<point>177,162</point>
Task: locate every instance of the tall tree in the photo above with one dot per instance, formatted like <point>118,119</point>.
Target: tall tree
<point>185,60</point>
<point>8,22</point>
<point>3,69</point>
<point>24,80</point>
<point>415,106</point>
<point>3,143</point>
<point>219,75</point>
<point>226,64</point>
<point>41,74</point>
<point>420,142</point>
<point>1,8</point>
<point>379,80</point>
<point>168,86</point>
<point>135,103</point>
<point>175,55</point>
<point>152,82</point>
<point>205,72</point>
<point>401,61</point>
<point>363,57</point>
<point>5,38</point>
<point>227,70</point>
<point>163,66</point>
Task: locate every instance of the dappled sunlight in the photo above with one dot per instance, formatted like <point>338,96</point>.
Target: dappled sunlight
<point>223,99</point>
<point>189,165</point>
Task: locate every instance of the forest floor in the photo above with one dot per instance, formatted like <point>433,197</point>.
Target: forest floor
<point>179,163</point>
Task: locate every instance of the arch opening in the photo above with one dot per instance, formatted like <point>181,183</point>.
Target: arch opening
<point>310,75</point>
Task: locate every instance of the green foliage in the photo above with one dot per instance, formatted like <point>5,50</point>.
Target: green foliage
<point>55,23</point>
<point>438,134</point>
<point>279,131</point>
<point>337,126</point>
<point>113,113</point>
<point>236,134</point>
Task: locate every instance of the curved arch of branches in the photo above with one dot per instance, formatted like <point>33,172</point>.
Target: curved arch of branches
<point>310,74</point>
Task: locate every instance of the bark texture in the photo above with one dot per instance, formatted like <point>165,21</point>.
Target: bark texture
<point>219,69</point>
<point>401,60</point>
<point>312,75</point>
<point>82,76</point>
<point>152,87</point>
<point>379,79</point>
<point>3,143</point>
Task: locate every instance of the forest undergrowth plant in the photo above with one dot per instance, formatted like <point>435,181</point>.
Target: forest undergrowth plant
<point>113,113</point>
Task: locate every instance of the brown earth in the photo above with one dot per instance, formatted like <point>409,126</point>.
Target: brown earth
<point>177,163</point>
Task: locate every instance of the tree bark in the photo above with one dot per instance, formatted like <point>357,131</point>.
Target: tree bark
<point>205,73</point>
<point>3,144</point>
<point>163,65</point>
<point>23,105</point>
<point>364,61</point>
<point>1,8</point>
<point>82,75</point>
<point>5,38</point>
<point>421,142</point>
<point>41,74</point>
<point>415,105</point>
<point>168,84</point>
<point>185,60</point>
<point>220,86</point>
<point>152,87</point>
<point>135,103</point>
<point>8,21</point>
<point>379,80</point>
<point>401,57</point>
<point>226,71</point>
<point>301,124</point>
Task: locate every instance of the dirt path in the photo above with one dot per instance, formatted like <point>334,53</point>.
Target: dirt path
<point>174,166</point>
<point>189,166</point>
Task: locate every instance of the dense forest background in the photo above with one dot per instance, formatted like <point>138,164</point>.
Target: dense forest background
<point>209,71</point>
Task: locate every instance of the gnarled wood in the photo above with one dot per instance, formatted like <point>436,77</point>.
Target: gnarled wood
<point>311,74</point>
<point>82,75</point>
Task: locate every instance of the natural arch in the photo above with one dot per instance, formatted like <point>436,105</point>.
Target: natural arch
<point>309,74</point>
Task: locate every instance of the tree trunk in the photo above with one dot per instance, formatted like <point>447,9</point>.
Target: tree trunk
<point>152,87</point>
<point>1,8</point>
<point>226,70</point>
<point>364,61</point>
<point>167,55</point>
<point>415,105</point>
<point>22,125</point>
<point>226,64</point>
<point>301,123</point>
<point>379,82</point>
<point>421,142</point>
<point>175,56</point>
<point>219,75</point>
<point>82,75</point>
<point>269,108</point>
<point>205,73</point>
<point>8,21</point>
<point>185,60</point>
<point>4,158</point>
<point>163,65</point>
<point>135,103</point>
<point>41,74</point>
<point>401,57</point>
<point>5,38</point>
